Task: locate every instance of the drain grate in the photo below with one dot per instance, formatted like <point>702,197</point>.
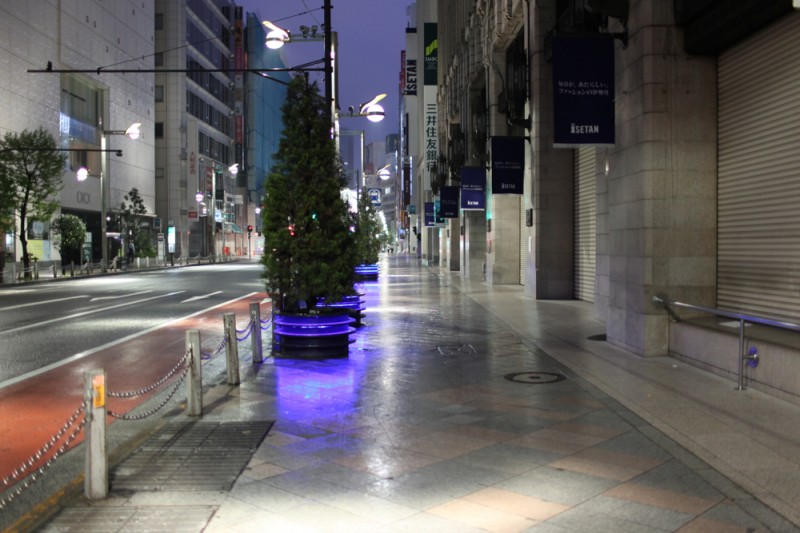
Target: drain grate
<point>456,349</point>
<point>535,378</point>
<point>197,456</point>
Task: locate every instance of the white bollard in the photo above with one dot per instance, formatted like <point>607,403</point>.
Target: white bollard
<point>95,485</point>
<point>255,318</point>
<point>194,382</point>
<point>231,348</point>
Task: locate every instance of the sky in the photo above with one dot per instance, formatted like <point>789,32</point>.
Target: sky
<point>371,36</point>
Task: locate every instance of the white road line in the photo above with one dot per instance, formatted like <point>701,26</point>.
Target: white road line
<point>81,355</point>
<point>116,296</point>
<point>15,307</point>
<point>194,298</point>
<point>84,313</point>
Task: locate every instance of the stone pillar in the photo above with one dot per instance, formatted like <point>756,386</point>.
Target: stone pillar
<point>473,245</point>
<point>550,276</point>
<point>661,181</point>
<point>502,238</point>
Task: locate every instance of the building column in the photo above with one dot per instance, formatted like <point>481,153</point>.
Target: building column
<point>661,180</point>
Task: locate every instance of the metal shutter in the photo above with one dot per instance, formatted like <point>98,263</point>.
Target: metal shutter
<point>585,215</point>
<point>759,173</point>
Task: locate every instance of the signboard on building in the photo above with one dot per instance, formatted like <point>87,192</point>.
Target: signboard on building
<point>508,165</point>
<point>374,197</point>
<point>449,196</point>
<point>473,188</point>
<point>429,222</point>
<point>583,90</point>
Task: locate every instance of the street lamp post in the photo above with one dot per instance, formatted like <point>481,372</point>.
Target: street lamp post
<point>133,133</point>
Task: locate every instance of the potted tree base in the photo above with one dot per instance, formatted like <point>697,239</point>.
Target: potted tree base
<point>323,336</point>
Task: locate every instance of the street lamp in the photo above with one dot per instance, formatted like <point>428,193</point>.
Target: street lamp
<point>373,111</point>
<point>133,133</point>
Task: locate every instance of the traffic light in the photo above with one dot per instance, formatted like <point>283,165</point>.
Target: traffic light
<point>249,229</point>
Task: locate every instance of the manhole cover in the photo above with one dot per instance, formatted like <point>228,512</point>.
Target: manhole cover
<point>535,378</point>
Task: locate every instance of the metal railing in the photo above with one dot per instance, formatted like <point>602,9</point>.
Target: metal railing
<point>746,357</point>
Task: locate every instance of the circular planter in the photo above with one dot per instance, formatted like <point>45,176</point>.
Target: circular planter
<point>312,336</point>
<point>367,272</point>
<point>353,305</point>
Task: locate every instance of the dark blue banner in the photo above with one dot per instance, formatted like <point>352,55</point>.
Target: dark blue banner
<point>429,215</point>
<point>508,165</point>
<point>473,188</point>
<point>449,202</point>
<point>583,90</point>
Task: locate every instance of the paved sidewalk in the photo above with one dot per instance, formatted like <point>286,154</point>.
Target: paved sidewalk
<point>465,407</point>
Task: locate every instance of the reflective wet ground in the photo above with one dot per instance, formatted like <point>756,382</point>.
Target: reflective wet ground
<point>452,414</point>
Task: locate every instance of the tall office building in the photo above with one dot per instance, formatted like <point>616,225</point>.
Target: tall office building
<point>82,110</point>
<point>196,125</point>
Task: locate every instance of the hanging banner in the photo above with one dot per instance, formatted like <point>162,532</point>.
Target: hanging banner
<point>508,165</point>
<point>583,90</point>
<point>438,219</point>
<point>429,216</point>
<point>431,53</point>
<point>473,188</point>
<point>449,195</point>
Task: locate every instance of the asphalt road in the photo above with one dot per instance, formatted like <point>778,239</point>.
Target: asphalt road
<point>46,324</point>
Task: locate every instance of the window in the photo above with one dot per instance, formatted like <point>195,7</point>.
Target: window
<point>159,130</point>
<point>159,21</point>
<point>158,58</point>
<point>159,93</point>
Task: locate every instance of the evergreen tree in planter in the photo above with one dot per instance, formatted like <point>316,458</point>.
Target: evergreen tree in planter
<point>309,252</point>
<point>367,234</point>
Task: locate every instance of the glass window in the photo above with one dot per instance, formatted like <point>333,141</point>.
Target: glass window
<point>159,93</point>
<point>159,134</point>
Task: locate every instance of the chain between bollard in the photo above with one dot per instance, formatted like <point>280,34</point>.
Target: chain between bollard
<point>34,477</point>
<point>268,323</point>
<point>142,416</point>
<point>157,384</point>
<point>208,355</point>
<point>247,331</point>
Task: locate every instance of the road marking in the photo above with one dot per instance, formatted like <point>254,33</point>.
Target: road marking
<point>81,355</point>
<point>14,307</point>
<point>194,298</point>
<point>84,313</point>
<point>118,296</point>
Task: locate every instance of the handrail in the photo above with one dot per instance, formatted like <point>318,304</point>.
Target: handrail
<point>729,314</point>
<point>751,357</point>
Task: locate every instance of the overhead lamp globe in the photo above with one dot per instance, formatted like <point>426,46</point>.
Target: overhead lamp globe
<point>374,113</point>
<point>384,174</point>
<point>198,196</point>
<point>82,174</point>
<point>275,39</point>
<point>133,131</point>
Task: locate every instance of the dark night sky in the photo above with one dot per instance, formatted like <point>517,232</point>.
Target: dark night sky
<point>371,37</point>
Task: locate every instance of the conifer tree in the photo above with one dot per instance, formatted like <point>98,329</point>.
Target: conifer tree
<point>368,231</point>
<point>308,245</point>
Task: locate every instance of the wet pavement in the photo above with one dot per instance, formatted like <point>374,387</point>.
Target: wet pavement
<point>464,407</point>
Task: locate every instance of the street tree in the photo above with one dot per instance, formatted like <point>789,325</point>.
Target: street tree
<point>308,245</point>
<point>30,180</point>
<point>72,233</point>
<point>132,211</point>
<point>368,231</point>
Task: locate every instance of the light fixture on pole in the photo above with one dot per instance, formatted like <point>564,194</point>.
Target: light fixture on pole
<point>373,111</point>
<point>131,132</point>
<point>276,36</point>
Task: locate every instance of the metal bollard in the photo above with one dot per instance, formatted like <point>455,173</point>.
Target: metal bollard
<point>194,383</point>
<point>95,485</point>
<point>255,318</point>
<point>231,348</point>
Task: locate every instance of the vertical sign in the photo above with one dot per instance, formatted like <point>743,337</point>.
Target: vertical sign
<point>429,215</point>
<point>450,202</point>
<point>430,78</point>
<point>508,165</point>
<point>583,90</point>
<point>473,188</point>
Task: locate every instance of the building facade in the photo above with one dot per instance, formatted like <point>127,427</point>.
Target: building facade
<point>82,110</point>
<point>197,125</point>
<point>693,199</point>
